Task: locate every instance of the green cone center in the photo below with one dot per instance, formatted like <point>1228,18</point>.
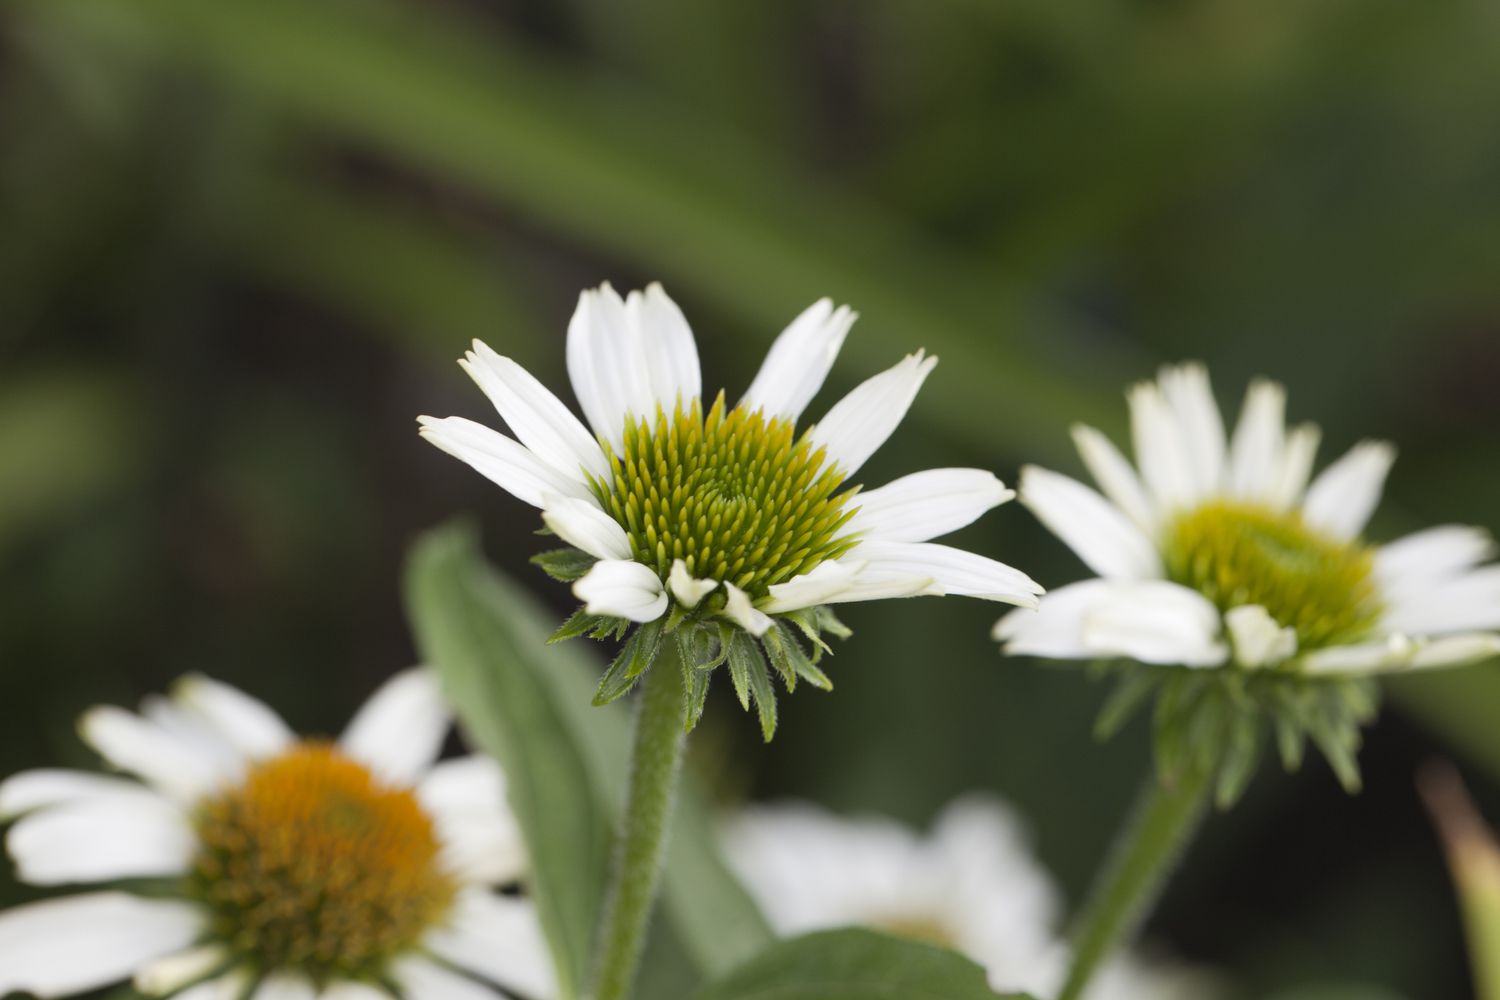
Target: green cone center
<point>1238,553</point>
<point>735,495</point>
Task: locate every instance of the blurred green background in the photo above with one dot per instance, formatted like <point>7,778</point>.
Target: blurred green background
<point>242,242</point>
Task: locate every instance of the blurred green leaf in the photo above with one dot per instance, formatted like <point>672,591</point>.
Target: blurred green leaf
<point>854,964</point>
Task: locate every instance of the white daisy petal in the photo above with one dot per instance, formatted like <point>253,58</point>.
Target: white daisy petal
<point>505,462</point>
<point>230,986</point>
<point>859,423</point>
<point>1456,650</point>
<point>688,589</point>
<point>247,723</point>
<point>1256,452</point>
<point>142,747</point>
<point>953,571</point>
<point>881,583</point>
<point>399,731</point>
<point>820,585</point>
<point>1104,538</point>
<point>99,839</point>
<point>1115,476</point>
<point>171,973</point>
<point>76,943</point>
<point>583,525</point>
<point>1148,620</point>
<point>1200,426</point>
<point>284,986</point>
<point>1418,561</point>
<point>499,938</point>
<point>1468,602</point>
<point>927,504</point>
<point>1055,628</point>
<point>1160,450</point>
<point>348,989</point>
<point>605,365</point>
<point>744,614</point>
<point>1298,455</point>
<point>423,979</point>
<point>799,361</point>
<point>466,799</point>
<point>1341,500</point>
<point>667,344</point>
<point>623,589</point>
<point>28,790</point>
<point>1257,639</point>
<point>538,418</point>
<point>1388,653</point>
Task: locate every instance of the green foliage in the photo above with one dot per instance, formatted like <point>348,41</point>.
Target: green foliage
<point>854,965</point>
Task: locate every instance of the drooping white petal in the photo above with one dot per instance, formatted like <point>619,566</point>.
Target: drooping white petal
<point>1115,476</point>
<point>1103,537</point>
<point>1160,450</point>
<point>859,423</point>
<point>285,986</point>
<point>349,989</point>
<point>500,939</point>
<point>623,589</point>
<point>537,418</point>
<point>1055,628</point>
<point>927,504</point>
<point>424,979</point>
<point>606,364</point>
<point>171,973</point>
<point>61,946</point>
<point>953,571</point>
<point>1467,602</point>
<point>123,835</point>
<point>1257,639</point>
<point>739,610</point>
<point>142,747</point>
<point>688,589</point>
<point>1200,427</point>
<point>1298,454</point>
<point>799,361</point>
<point>1255,454</point>
<point>505,462</point>
<point>28,790</point>
<point>1456,650</point>
<point>583,525</point>
<point>819,585</point>
<point>1418,561</point>
<point>248,724</point>
<point>1153,621</point>
<point>666,343</point>
<point>881,583</point>
<point>1341,500</point>
<point>466,799</point>
<point>230,986</point>
<point>399,731</point>
<point>1391,652</point>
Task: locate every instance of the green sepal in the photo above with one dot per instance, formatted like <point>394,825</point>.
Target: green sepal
<point>806,620</point>
<point>829,622</point>
<point>1238,766</point>
<point>791,661</point>
<point>564,565</point>
<point>634,659</point>
<point>581,622</point>
<point>1129,694</point>
<point>747,667</point>
<point>692,646</point>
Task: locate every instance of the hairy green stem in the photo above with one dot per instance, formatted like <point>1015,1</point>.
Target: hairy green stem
<point>1144,854</point>
<point>655,762</point>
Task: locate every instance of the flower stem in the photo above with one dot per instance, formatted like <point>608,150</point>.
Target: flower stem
<point>1145,851</point>
<point>656,760</point>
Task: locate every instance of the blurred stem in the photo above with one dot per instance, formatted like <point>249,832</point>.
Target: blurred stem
<point>655,765</point>
<point>1165,818</point>
<point>1474,857</point>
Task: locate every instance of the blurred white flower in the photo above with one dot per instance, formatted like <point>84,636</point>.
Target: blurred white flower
<point>269,867</point>
<point>972,885</point>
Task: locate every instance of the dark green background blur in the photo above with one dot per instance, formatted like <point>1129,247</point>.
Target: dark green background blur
<point>242,242</point>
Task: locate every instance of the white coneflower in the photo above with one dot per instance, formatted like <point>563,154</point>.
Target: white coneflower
<point>972,885</point>
<point>246,862</point>
<point>723,516</point>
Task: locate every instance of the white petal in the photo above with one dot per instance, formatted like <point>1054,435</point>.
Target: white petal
<point>1200,427</point>
<point>30,790</point>
<point>247,723</point>
<point>1424,559</point>
<point>77,943</point>
<point>1391,652</point>
<point>196,733</point>
<point>507,463</point>
<point>422,979</point>
<point>926,504</point>
<point>399,731</point>
<point>688,589</point>
<point>171,973</point>
<point>583,525</point>
<point>285,986</point>
<point>953,571</point>
<point>1160,450</point>
<point>123,835</point>
<point>1106,540</point>
<point>882,583</point>
<point>538,418</point>
<point>1456,650</point>
<point>1297,457</point>
<point>1055,628</point>
<point>859,423</point>
<point>799,361</point>
<point>230,986</point>
<point>499,938</point>
<point>1257,639</point>
<point>466,799</point>
<point>1115,476</point>
<point>739,610</point>
<point>666,343</point>
<point>818,585</point>
<point>1151,620</point>
<point>348,989</point>
<point>606,364</point>
<point>1256,453</point>
<point>142,747</point>
<point>623,589</point>
<point>1467,602</point>
<point>1341,500</point>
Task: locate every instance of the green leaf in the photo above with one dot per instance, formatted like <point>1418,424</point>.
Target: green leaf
<point>854,965</point>
<point>564,565</point>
